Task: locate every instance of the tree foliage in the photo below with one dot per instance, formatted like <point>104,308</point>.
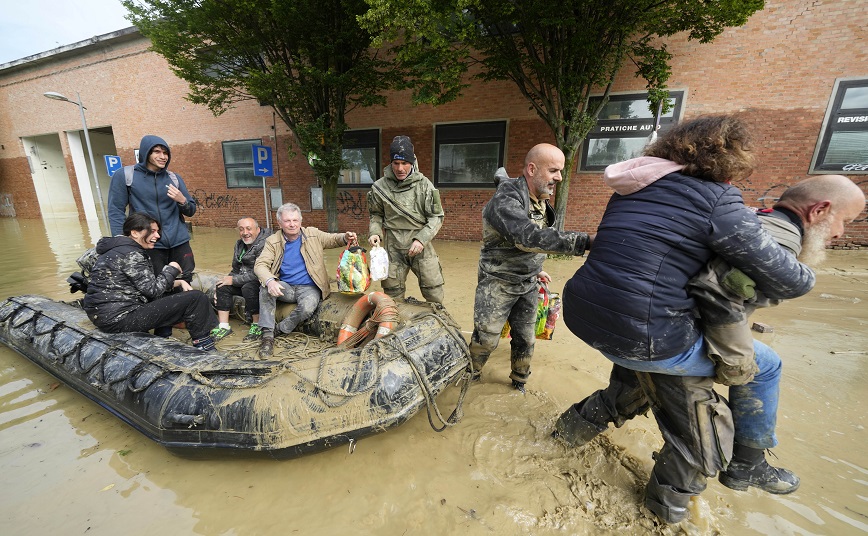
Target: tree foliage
<point>557,52</point>
<point>309,60</point>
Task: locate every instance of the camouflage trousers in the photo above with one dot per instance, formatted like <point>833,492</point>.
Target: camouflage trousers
<point>496,302</point>
<point>425,265</point>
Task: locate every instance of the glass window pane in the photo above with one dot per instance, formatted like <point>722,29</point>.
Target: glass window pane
<point>847,148</point>
<point>238,152</point>
<point>468,162</point>
<point>631,109</point>
<point>362,166</point>
<point>242,177</point>
<point>855,97</point>
<point>605,151</point>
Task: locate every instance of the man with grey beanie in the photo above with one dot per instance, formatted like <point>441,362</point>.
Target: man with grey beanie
<point>406,214</point>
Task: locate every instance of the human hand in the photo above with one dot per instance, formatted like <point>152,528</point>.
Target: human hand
<point>175,194</point>
<point>226,281</point>
<point>183,284</point>
<point>415,248</point>
<point>374,240</point>
<point>350,237</point>
<point>176,266</point>
<point>274,288</point>
<point>544,278</point>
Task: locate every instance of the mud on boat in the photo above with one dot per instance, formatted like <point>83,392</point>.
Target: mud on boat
<point>311,396</point>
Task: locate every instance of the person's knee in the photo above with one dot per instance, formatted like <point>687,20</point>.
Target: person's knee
<point>768,361</point>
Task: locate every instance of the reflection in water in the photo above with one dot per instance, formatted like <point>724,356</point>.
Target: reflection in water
<point>66,462</point>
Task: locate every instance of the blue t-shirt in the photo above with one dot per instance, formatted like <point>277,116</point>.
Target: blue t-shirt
<point>293,271</point>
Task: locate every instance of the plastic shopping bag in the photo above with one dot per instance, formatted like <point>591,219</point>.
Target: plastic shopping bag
<point>353,274</point>
<point>379,263</point>
<point>544,306</point>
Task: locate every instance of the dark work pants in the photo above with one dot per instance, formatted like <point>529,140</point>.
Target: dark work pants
<point>191,307</point>
<point>183,255</point>
<point>250,292</point>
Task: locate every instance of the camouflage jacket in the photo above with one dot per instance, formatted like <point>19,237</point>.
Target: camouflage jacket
<point>517,235</point>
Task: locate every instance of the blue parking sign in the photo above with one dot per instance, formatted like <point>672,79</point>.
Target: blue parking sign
<point>262,166</point>
<point>112,164</point>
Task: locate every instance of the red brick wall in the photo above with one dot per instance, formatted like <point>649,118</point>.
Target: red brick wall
<point>779,70</point>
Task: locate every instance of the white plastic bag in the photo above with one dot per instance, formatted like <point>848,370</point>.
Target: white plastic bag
<point>379,263</point>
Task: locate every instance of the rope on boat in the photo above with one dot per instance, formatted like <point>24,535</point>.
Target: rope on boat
<point>369,354</point>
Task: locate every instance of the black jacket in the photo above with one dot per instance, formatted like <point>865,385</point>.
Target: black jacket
<point>630,297</point>
<point>123,279</point>
<point>244,259</point>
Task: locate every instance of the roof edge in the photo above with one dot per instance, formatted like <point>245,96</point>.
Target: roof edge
<point>71,49</point>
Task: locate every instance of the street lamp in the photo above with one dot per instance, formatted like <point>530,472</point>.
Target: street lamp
<point>57,96</point>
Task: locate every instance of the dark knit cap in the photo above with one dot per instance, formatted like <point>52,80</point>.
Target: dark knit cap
<point>402,149</point>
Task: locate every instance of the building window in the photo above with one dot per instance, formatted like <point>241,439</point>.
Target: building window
<point>623,128</point>
<point>238,161</point>
<point>468,154</point>
<point>361,154</point>
<point>843,142</point>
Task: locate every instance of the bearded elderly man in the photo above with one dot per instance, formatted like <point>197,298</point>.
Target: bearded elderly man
<point>241,281</point>
<point>517,234</point>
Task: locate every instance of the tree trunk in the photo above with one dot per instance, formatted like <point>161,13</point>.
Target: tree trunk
<point>330,199</point>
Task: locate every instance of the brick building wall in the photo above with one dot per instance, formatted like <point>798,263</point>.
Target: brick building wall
<point>779,70</point>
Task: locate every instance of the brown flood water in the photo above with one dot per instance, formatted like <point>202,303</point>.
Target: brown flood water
<point>67,466</point>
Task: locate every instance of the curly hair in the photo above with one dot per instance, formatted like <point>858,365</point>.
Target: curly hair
<point>717,148</point>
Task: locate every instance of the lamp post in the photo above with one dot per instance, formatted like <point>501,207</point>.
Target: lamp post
<point>57,96</point>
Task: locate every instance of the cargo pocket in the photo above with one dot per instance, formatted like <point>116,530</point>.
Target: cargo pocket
<point>430,273</point>
<point>716,433</point>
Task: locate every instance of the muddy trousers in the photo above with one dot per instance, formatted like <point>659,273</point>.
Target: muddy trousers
<point>697,425</point>
<point>250,291</point>
<point>496,302</point>
<point>425,265</point>
<point>191,307</point>
<point>306,298</point>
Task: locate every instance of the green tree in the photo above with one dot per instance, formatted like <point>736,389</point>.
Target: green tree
<point>309,60</point>
<point>557,52</point>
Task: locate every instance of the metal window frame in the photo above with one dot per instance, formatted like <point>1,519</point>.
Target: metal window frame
<point>833,109</point>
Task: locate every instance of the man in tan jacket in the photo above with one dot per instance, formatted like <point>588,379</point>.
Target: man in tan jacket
<point>291,269</point>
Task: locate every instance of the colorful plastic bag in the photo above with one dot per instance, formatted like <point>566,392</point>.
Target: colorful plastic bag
<point>379,263</point>
<point>353,274</point>
<point>547,312</point>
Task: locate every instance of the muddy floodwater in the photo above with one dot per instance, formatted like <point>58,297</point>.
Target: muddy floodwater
<point>68,466</point>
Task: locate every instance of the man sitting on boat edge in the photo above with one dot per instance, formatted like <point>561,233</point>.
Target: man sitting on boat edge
<point>241,281</point>
<point>292,269</point>
<point>125,295</point>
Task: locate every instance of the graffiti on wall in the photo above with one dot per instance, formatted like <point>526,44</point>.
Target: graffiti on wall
<point>351,204</point>
<point>213,201</point>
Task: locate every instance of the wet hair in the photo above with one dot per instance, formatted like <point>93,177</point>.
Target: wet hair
<point>288,207</point>
<point>712,147</point>
<point>139,221</point>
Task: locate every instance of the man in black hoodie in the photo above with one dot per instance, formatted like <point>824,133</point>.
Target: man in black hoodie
<point>125,295</point>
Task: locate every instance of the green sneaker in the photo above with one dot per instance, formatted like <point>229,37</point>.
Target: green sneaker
<point>219,333</point>
<point>254,334</point>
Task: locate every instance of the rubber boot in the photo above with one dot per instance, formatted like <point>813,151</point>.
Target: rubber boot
<point>574,429</point>
<point>667,503</point>
<point>750,468</point>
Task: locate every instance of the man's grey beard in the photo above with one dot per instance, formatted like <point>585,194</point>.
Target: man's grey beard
<point>814,244</point>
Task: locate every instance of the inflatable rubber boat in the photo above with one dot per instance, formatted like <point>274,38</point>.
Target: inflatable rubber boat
<point>312,395</point>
